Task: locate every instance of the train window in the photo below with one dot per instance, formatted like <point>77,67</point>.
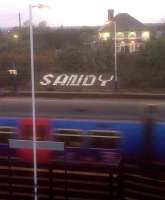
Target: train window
<point>71,137</point>
<point>6,133</point>
<point>105,133</point>
<point>69,131</point>
<point>104,139</point>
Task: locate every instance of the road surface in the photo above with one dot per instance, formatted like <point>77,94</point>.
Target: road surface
<point>81,108</point>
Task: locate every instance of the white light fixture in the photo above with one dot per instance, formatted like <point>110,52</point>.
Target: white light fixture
<point>15,36</point>
<point>13,72</point>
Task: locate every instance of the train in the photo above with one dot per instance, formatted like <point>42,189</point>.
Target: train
<point>103,141</point>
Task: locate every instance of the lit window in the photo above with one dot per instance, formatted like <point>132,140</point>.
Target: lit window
<point>132,35</point>
<point>120,35</point>
<point>145,35</point>
<point>71,137</point>
<point>104,36</point>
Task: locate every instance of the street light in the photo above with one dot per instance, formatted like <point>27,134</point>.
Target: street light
<point>33,95</point>
<point>115,60</point>
<point>15,36</point>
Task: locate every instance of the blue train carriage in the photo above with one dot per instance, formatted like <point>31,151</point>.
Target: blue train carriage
<point>80,145</point>
<point>88,139</point>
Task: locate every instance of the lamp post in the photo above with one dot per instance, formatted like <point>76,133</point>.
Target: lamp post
<point>33,95</point>
<point>115,60</point>
<point>33,103</point>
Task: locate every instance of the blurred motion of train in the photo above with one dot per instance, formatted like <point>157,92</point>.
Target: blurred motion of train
<point>92,140</point>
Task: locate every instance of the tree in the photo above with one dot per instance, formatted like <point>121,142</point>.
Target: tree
<point>42,24</point>
<point>69,60</point>
<point>154,52</point>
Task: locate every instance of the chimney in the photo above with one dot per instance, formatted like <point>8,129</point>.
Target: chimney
<point>110,14</point>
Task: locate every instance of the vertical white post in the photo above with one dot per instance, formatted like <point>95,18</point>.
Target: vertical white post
<point>115,60</point>
<point>33,103</point>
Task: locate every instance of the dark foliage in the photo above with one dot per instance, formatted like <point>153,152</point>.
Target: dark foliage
<point>75,50</point>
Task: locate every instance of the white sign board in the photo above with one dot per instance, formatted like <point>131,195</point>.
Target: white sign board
<point>28,144</point>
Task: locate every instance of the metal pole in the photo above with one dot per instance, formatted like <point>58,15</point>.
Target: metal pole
<point>33,104</point>
<point>19,16</point>
<point>115,61</point>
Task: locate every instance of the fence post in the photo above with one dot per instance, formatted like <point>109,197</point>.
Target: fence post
<point>50,182</point>
<point>66,178</point>
<point>10,173</point>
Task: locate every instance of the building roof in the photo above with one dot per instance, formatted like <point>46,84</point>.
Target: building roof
<point>124,22</point>
<point>156,26</point>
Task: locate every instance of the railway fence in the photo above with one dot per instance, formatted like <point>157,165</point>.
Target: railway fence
<point>77,179</point>
<point>62,179</point>
<point>56,181</point>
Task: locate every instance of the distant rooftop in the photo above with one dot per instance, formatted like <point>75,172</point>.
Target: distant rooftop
<point>124,22</point>
<point>156,26</point>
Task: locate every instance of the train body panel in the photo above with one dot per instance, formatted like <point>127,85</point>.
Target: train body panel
<point>132,136</point>
<point>159,141</point>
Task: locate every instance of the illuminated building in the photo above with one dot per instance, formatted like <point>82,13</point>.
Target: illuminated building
<point>130,33</point>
